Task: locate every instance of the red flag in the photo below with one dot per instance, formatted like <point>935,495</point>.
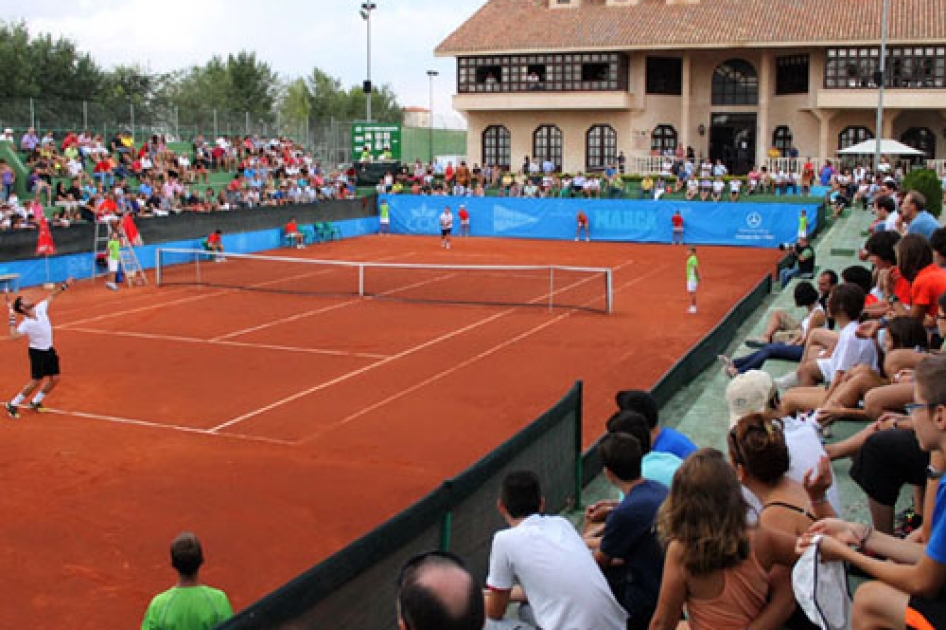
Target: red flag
<point>131,230</point>
<point>44,244</point>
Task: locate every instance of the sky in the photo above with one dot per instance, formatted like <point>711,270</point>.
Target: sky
<point>292,36</point>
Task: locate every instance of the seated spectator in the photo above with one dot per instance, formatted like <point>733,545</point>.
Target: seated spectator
<point>910,576</point>
<point>663,439</point>
<point>915,216</point>
<point>547,559</point>
<point>693,188</point>
<point>792,335</point>
<point>718,186</point>
<point>724,573</point>
<point>755,393</point>
<point>735,186</point>
<point>845,304</point>
<point>801,261</point>
<point>657,466</point>
<point>629,529</point>
<point>435,590</point>
<point>189,605</point>
<point>706,187</point>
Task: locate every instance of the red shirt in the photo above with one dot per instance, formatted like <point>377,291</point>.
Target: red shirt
<point>677,220</point>
<point>213,239</point>
<point>463,214</point>
<point>292,228</point>
<point>928,285</point>
<point>582,218</point>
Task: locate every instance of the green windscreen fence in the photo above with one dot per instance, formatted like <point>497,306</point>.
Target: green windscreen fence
<point>354,588</point>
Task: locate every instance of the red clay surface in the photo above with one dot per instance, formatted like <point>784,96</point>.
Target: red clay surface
<point>279,428</point>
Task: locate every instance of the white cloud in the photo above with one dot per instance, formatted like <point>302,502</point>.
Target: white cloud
<point>293,37</point>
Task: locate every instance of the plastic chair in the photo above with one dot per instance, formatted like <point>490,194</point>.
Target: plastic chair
<point>309,234</point>
<point>328,232</point>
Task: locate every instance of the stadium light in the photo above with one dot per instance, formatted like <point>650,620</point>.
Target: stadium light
<point>430,120</point>
<point>366,9</point>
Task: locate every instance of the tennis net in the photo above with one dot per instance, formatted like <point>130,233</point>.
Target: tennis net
<point>586,288</point>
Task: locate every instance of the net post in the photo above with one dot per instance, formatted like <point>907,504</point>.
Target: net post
<point>610,291</point>
<point>197,258</point>
<point>157,267</point>
<point>361,280</point>
<point>551,288</point>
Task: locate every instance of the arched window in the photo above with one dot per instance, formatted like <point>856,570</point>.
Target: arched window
<point>547,145</point>
<point>496,146</point>
<point>663,138</point>
<point>735,82</point>
<point>850,136</point>
<point>601,147</point>
<point>921,139</point>
<point>782,139</point>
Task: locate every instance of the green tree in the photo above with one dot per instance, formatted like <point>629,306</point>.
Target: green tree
<point>328,99</point>
<point>35,67</point>
<point>925,181</point>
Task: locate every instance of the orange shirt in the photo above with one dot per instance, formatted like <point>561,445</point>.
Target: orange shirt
<point>292,228</point>
<point>928,285</point>
<point>582,218</point>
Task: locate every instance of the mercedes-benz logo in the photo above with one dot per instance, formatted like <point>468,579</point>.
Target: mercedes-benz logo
<point>753,219</point>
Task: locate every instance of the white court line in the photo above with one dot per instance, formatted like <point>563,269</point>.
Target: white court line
<point>359,371</point>
<point>368,368</point>
<point>357,300</point>
<point>168,427</point>
<point>238,344</point>
<point>482,355</point>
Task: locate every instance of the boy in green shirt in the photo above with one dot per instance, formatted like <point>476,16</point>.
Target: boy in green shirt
<point>693,277</point>
<point>189,605</point>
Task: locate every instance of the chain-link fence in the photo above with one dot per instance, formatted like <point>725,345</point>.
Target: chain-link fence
<point>329,140</point>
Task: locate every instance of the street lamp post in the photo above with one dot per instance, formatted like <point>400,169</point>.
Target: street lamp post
<point>882,74</point>
<point>366,9</point>
<point>430,117</point>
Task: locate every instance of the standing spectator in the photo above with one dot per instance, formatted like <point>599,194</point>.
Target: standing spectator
<point>189,605</point>
<point>677,222</point>
<point>464,216</point>
<point>435,591</point>
<point>384,217</point>
<point>547,558</point>
<point>582,222</point>
<point>7,179</point>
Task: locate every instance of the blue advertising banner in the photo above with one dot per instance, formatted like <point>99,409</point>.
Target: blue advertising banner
<point>705,223</point>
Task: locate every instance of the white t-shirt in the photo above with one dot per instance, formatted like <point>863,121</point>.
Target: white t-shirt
<point>850,351</point>
<point>558,573</point>
<point>39,330</point>
<point>446,220</point>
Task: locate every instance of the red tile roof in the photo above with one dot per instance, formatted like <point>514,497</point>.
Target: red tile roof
<point>530,25</point>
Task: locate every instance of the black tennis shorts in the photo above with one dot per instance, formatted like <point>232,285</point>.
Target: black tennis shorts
<point>445,231</point>
<point>43,363</point>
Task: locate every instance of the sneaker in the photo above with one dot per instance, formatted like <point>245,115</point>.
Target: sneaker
<point>787,381</point>
<point>12,411</point>
<point>692,309</point>
<point>576,239</point>
<point>728,367</point>
<point>38,407</point>
<point>907,522</point>
<point>587,239</point>
<point>112,286</point>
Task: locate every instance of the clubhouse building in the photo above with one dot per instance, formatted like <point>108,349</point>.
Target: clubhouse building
<point>578,82</point>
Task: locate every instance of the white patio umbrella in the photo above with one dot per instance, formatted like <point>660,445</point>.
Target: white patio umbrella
<point>887,147</point>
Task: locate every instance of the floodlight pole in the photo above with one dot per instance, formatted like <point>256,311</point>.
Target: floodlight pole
<point>366,9</point>
<point>883,82</point>
<point>430,120</point>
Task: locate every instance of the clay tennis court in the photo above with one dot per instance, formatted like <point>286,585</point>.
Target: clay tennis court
<point>280,427</point>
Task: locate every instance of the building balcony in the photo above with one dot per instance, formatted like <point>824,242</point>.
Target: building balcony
<point>894,98</point>
<point>540,100</point>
